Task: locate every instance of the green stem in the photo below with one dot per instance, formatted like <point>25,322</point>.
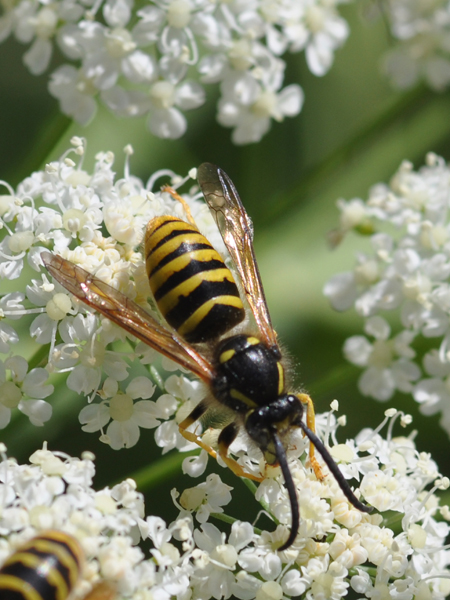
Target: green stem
<point>156,378</point>
<point>230,520</point>
<point>52,131</point>
<point>38,357</point>
<point>335,379</point>
<point>407,106</point>
<point>161,470</point>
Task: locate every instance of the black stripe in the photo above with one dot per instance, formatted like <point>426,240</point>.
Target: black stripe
<point>228,435</point>
<point>191,269</point>
<point>11,595</point>
<point>67,546</point>
<point>173,233</point>
<point>35,579</point>
<point>220,319</point>
<point>51,559</point>
<point>207,290</point>
<point>183,248</point>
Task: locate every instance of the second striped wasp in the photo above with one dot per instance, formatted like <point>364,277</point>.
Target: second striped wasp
<point>48,567</point>
<point>199,298</point>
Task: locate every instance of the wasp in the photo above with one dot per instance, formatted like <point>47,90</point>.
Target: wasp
<point>201,301</point>
<point>47,567</point>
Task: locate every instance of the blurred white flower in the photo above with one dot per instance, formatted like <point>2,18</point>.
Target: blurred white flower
<point>151,60</point>
<point>407,272</point>
<point>25,391</point>
<point>422,31</point>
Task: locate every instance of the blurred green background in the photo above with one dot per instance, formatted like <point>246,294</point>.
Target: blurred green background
<point>352,133</point>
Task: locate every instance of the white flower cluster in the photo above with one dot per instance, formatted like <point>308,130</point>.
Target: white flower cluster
<point>407,270</point>
<point>54,492</point>
<point>401,554</point>
<point>423,49</point>
<point>96,222</point>
<point>153,59</point>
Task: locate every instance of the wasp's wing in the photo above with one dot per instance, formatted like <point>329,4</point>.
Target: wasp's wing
<point>126,313</point>
<point>237,232</point>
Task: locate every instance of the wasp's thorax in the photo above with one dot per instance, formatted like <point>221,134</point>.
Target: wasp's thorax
<point>250,381</point>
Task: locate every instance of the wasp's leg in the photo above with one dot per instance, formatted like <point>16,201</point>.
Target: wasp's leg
<point>311,423</point>
<point>195,415</point>
<point>176,196</point>
<point>226,438</point>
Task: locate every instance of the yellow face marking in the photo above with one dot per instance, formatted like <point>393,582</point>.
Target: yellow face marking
<point>252,341</point>
<point>269,455</point>
<point>280,378</point>
<point>283,426</point>
<point>237,395</point>
<point>201,312</point>
<point>225,356</point>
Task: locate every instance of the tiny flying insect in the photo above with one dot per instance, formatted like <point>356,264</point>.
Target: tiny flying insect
<point>47,567</point>
<point>198,297</point>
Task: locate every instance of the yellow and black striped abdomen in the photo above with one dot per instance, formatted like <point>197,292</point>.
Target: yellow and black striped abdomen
<point>46,568</point>
<point>194,290</point>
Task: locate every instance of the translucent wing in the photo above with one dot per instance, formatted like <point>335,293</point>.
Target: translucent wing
<point>126,313</point>
<point>237,232</point>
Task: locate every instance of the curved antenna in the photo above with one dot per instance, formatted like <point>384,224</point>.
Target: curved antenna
<point>343,484</point>
<point>280,453</point>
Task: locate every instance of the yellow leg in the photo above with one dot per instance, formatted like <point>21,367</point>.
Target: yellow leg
<point>223,450</point>
<point>235,466</point>
<point>193,437</point>
<point>176,196</point>
<point>311,423</point>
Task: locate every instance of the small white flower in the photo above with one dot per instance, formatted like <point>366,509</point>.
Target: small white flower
<point>407,272</point>
<point>249,106</point>
<point>385,359</point>
<point>126,416</point>
<point>167,101</point>
<point>25,390</point>
<point>327,31</point>
<point>120,48</point>
<point>75,92</point>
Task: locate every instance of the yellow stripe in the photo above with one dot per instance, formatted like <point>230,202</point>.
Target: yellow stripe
<point>172,298</point>
<point>173,245</point>
<point>178,264</point>
<point>237,395</point>
<point>47,540</point>
<point>159,227</point>
<point>14,584</point>
<point>225,356</point>
<point>280,378</point>
<point>253,341</point>
<point>201,312</point>
<point>162,274</point>
<point>24,557</point>
<point>55,578</point>
<point>62,554</point>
